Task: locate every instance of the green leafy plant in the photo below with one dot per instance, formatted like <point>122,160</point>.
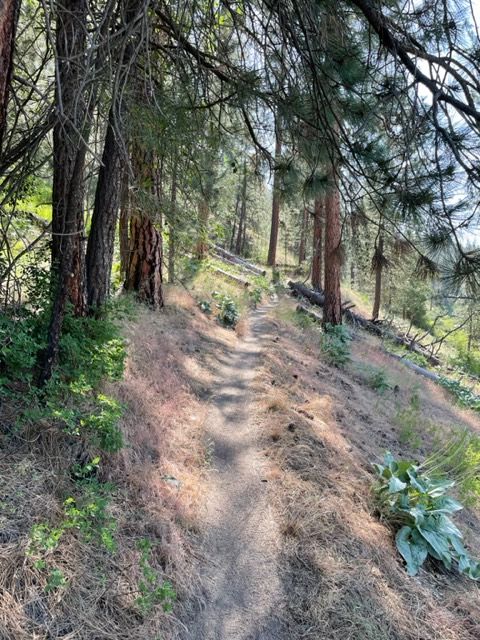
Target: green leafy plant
<point>465,396</point>
<point>255,296</point>
<point>418,506</point>
<point>228,313</point>
<point>55,580</point>
<point>459,458</point>
<point>152,591</point>
<point>205,307</point>
<point>86,512</point>
<point>408,419</point>
<point>378,380</point>
<point>335,344</point>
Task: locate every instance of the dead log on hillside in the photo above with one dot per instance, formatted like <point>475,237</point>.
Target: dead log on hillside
<point>376,328</point>
<point>231,257</point>
<point>420,370</point>
<point>230,276</point>
<point>309,312</point>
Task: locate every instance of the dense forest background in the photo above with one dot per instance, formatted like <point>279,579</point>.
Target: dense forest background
<point>135,134</point>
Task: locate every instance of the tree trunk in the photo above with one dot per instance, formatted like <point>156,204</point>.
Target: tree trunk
<point>124,223</point>
<point>317,243</point>
<point>272,248</point>
<point>243,213</point>
<point>302,253</point>
<point>172,227</point>
<point>69,151</point>
<point>144,273</point>
<point>332,311</point>
<point>101,241</point>
<point>8,23</point>
<point>378,266</point>
<point>202,243</point>
<point>234,226</point>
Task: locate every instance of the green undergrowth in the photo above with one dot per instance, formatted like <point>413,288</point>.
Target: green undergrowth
<point>219,297</point>
<point>416,502</point>
<point>85,422</point>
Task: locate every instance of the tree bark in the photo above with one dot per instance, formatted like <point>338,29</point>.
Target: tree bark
<point>274,227</point>
<point>144,273</point>
<point>243,213</point>
<point>124,224</point>
<point>319,209</point>
<point>172,226</point>
<point>332,311</point>
<point>69,151</point>
<point>302,252</point>
<point>101,241</point>
<point>8,24</point>
<point>378,267</point>
<point>203,216</point>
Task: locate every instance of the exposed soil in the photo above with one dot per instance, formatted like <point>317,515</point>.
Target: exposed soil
<point>243,597</point>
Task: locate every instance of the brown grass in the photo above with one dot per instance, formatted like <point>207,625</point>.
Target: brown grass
<point>159,492</point>
<point>342,574</point>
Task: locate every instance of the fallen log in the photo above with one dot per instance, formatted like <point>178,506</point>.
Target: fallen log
<point>231,257</point>
<point>318,298</point>
<point>420,370</point>
<point>309,312</point>
<point>230,276</point>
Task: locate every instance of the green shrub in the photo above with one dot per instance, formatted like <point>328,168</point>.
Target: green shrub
<point>418,506</point>
<point>255,297</point>
<point>465,396</point>
<point>409,420</point>
<point>459,458</point>
<point>303,320</point>
<point>228,313</point>
<point>205,307</point>
<point>335,344</point>
<point>152,591</point>
<point>378,380</point>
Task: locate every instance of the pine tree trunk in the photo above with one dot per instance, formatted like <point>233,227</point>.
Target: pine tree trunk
<point>144,273</point>
<point>144,270</point>
<point>243,214</point>
<point>123,224</point>
<point>378,278</point>
<point>317,243</point>
<point>8,23</point>
<point>303,234</point>
<point>234,226</point>
<point>202,243</point>
<point>332,310</point>
<point>275,224</point>
<point>172,227</point>
<point>69,151</point>
<point>101,241</point>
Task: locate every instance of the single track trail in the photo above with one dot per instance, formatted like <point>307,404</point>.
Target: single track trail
<point>243,597</point>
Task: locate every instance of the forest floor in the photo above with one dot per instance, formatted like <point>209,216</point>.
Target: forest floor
<point>291,546</point>
<point>249,467</point>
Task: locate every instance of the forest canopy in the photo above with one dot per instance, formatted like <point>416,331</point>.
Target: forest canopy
<point>136,132</point>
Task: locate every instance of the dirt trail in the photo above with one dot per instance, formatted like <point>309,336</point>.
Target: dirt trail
<point>243,597</point>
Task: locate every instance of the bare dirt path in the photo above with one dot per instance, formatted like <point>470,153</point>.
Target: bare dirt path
<point>243,597</point>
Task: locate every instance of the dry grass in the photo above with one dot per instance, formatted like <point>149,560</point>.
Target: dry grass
<point>159,493</point>
<point>342,574</point>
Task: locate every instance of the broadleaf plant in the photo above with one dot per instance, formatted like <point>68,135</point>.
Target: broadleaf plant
<point>419,507</point>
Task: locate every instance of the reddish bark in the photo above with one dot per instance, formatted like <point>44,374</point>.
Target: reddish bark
<point>274,227</point>
<point>8,23</point>
<point>318,221</point>
<point>332,311</point>
<point>144,273</point>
